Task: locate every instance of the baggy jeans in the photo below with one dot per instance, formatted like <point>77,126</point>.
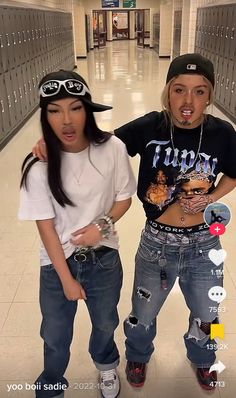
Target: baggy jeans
<point>186,258</point>
<point>101,277</point>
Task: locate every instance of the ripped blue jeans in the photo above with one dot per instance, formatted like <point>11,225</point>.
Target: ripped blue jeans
<point>186,257</point>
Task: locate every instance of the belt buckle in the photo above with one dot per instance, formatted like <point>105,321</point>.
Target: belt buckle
<point>81,254</point>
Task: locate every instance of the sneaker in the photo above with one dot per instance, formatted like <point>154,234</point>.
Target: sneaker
<point>109,383</point>
<point>207,380</point>
<point>136,373</point>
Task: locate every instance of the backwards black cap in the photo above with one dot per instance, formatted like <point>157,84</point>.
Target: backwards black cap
<point>191,64</point>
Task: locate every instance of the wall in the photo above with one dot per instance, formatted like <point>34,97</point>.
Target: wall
<point>152,12</point>
<point>186,32</point>
<point>79,29</point>
<point>166,29</point>
<point>132,25</point>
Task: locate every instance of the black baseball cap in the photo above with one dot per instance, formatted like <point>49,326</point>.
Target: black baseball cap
<point>191,64</point>
<point>65,83</point>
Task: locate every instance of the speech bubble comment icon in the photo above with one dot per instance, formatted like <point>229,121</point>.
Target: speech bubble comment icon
<point>217,293</point>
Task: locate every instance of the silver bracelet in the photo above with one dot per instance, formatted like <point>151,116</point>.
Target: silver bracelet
<point>105,225</point>
<point>98,226</point>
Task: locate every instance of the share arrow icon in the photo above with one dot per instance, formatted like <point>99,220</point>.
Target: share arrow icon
<point>219,367</point>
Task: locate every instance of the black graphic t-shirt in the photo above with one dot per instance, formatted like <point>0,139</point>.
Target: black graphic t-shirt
<point>168,167</point>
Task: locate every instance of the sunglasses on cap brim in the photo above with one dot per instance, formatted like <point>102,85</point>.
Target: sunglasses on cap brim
<point>72,86</point>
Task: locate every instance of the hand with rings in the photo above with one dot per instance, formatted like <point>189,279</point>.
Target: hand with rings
<point>195,204</point>
<point>40,150</point>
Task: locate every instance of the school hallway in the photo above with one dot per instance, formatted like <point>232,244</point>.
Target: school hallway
<point>131,80</point>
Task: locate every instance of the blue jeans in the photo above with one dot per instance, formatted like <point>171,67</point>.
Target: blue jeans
<point>100,273</point>
<point>185,257</point>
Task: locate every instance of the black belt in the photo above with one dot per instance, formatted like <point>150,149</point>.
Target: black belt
<point>82,253</point>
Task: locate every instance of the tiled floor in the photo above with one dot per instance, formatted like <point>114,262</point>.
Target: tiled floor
<point>131,80</point>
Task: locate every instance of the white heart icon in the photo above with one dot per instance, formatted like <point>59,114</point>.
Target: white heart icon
<point>217,256</point>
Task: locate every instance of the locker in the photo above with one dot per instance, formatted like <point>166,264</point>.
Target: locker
<point>222,79</point>
<point>4,109</point>
<point>226,38</point>
<point>228,84</point>
<point>222,30</point>
<point>207,29</point>
<point>34,82</point>
<point>211,29</point>
<point>15,95</point>
<point>31,34</point>
<point>25,46</point>
<point>21,91</point>
<point>232,35</point>
<point>10,99</point>
<point>217,29</point>
<point>25,88</point>
<point>18,36</point>
<point>7,45</point>
<point>232,103</point>
<point>30,84</point>
<point>1,53</point>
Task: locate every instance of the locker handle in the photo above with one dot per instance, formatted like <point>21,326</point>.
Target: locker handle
<point>14,39</point>
<point>9,101</point>
<point>24,36</point>
<point>217,78</point>
<point>227,83</point>
<point>28,34</point>
<point>221,31</point>
<point>33,81</point>
<point>25,88</point>
<point>15,97</point>
<point>217,30</point>
<point>8,42</point>
<point>213,30</point>
<point>232,33</point>
<point>226,33</point>
<point>232,87</point>
<point>222,81</point>
<point>20,91</point>
<point>19,37</point>
<point>32,34</point>
<point>1,43</point>
<point>2,105</point>
<point>29,85</point>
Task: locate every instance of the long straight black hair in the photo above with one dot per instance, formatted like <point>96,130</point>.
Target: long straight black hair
<point>54,147</point>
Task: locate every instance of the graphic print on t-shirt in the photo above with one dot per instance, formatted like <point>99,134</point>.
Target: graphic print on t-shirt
<point>159,193</point>
<point>178,172</point>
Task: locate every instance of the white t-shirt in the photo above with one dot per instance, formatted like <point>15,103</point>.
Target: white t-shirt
<point>93,179</point>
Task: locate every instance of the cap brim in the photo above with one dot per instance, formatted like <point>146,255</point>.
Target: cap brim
<point>96,107</point>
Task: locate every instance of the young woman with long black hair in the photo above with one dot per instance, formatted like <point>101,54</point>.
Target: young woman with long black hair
<point>84,188</point>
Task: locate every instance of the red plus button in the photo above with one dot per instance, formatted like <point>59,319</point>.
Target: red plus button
<point>217,229</point>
